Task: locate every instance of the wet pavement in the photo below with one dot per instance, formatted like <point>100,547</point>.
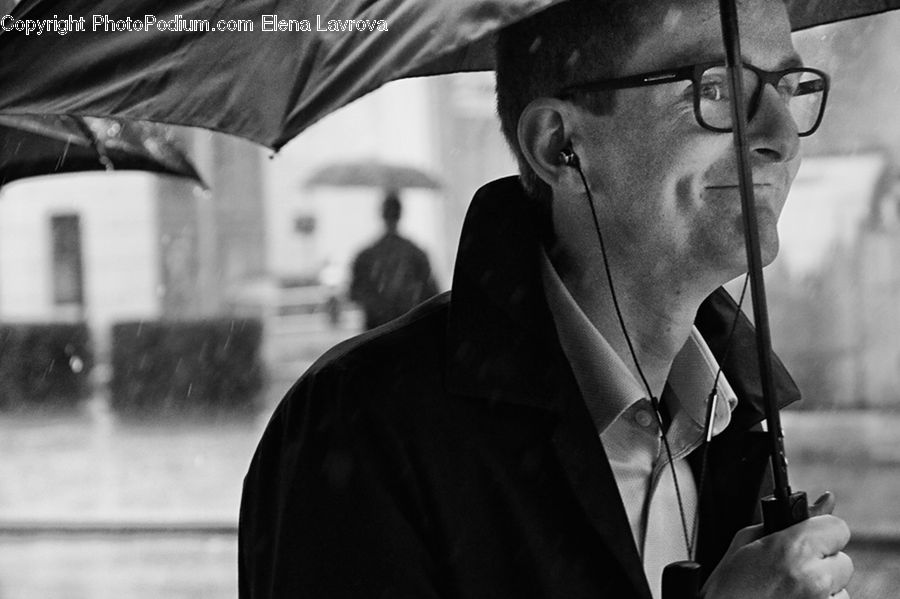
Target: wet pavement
<point>92,506</point>
<point>118,567</point>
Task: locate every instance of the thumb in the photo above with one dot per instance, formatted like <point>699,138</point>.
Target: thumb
<point>823,505</point>
<point>745,536</point>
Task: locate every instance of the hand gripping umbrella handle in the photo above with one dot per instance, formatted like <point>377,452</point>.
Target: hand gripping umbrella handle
<point>682,580</point>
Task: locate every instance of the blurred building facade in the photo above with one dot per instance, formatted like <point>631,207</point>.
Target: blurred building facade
<point>834,291</point>
<point>835,288</point>
<point>99,249</point>
<point>109,247</point>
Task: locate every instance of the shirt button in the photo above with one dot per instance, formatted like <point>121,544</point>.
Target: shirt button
<point>643,418</point>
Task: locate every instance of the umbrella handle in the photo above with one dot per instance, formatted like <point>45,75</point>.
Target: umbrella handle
<point>779,513</point>
<point>681,580</point>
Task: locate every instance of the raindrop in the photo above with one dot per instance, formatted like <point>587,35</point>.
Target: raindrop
<point>76,364</point>
<point>535,45</point>
<point>573,58</point>
<point>48,370</point>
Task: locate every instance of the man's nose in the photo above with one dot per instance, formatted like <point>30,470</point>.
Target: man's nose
<point>773,130</point>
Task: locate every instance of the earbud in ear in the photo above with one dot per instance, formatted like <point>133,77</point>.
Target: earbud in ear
<point>568,157</point>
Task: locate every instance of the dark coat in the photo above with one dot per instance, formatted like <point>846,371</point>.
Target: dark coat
<point>450,454</point>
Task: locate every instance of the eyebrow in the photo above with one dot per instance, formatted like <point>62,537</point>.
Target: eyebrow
<point>695,55</point>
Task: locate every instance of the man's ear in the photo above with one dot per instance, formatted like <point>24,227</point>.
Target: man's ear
<point>545,128</point>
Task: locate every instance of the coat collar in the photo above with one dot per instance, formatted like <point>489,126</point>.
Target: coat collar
<point>502,342</point>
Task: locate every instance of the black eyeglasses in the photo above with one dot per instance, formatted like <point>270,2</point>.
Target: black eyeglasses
<point>803,90</point>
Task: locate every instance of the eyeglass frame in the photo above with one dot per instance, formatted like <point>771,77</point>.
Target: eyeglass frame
<point>693,73</point>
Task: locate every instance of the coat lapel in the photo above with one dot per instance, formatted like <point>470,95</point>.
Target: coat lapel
<point>582,456</point>
<point>732,484</point>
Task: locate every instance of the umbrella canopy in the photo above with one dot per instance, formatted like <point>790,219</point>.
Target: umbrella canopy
<point>47,144</point>
<point>259,69</point>
<point>254,81</point>
<point>372,173</point>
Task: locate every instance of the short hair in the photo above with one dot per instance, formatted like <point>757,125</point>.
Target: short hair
<point>572,41</point>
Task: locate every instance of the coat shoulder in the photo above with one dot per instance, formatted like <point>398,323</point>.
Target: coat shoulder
<point>388,368</point>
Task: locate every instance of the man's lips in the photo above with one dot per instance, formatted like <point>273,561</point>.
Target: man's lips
<point>755,184</point>
<point>761,189</point>
<point>765,194</point>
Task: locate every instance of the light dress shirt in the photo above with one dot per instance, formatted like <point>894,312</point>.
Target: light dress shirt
<point>628,428</point>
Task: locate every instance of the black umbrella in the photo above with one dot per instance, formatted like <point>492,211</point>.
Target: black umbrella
<point>36,145</point>
<point>142,59</point>
<point>228,66</point>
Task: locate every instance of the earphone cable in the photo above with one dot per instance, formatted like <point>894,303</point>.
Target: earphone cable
<point>573,160</point>
<point>711,405</point>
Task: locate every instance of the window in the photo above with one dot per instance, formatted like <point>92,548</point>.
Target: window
<point>68,275</point>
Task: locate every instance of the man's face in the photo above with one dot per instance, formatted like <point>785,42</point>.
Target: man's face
<point>668,188</point>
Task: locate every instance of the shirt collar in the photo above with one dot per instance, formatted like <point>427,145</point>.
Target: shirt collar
<point>607,384</point>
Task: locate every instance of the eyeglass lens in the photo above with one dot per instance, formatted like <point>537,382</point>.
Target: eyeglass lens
<point>802,91</point>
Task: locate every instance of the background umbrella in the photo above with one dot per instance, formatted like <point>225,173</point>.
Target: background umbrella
<point>46,144</point>
<point>266,86</point>
<point>372,173</point>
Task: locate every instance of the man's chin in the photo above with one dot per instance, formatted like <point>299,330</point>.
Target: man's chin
<point>767,235</point>
<point>734,263</point>
<point>768,242</point>
<point>768,255</point>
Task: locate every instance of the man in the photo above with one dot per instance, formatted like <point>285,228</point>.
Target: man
<point>392,275</point>
<point>505,441</point>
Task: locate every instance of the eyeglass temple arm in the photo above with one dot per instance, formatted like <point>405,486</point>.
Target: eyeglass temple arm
<point>644,79</point>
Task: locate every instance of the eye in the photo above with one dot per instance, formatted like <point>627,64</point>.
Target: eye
<point>713,90</point>
<point>713,86</point>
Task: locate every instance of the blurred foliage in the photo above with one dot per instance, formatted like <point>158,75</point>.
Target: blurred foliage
<point>44,365</point>
<point>175,367</point>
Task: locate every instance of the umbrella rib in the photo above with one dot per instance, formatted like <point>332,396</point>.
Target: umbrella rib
<point>102,157</point>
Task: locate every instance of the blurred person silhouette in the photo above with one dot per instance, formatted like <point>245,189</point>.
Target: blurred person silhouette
<point>392,275</point>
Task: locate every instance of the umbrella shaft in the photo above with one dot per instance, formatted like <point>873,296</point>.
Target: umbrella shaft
<point>731,37</point>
